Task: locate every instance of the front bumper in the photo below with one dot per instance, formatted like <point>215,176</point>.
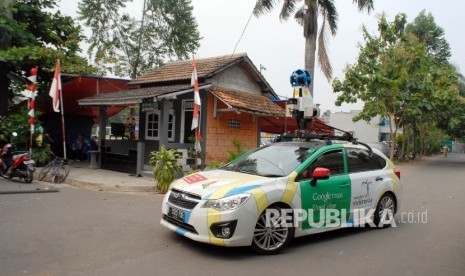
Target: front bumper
<point>197,222</point>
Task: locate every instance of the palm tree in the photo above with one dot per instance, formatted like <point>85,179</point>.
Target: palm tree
<point>307,16</point>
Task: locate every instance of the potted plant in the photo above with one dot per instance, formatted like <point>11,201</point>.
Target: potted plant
<point>193,156</point>
<point>166,167</point>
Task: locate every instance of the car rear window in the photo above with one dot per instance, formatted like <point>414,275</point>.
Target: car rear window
<point>359,160</point>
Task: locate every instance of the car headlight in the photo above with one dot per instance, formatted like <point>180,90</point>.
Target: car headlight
<point>227,203</point>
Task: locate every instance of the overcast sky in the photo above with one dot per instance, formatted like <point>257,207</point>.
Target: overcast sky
<point>279,46</point>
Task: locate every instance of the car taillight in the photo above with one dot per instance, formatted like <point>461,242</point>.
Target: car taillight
<point>397,172</point>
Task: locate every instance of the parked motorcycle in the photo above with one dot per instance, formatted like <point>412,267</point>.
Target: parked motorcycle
<point>19,165</point>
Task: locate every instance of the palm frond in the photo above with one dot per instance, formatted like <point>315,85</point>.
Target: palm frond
<point>300,15</point>
<point>263,6</point>
<point>287,9</point>
<point>364,4</point>
<point>323,58</point>
<point>328,9</point>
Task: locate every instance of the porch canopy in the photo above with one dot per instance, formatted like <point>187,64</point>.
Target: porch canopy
<point>232,100</point>
<point>136,96</point>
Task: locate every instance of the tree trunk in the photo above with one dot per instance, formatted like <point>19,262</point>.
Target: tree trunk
<point>393,138</point>
<point>402,151</point>
<point>310,34</point>
<point>5,41</point>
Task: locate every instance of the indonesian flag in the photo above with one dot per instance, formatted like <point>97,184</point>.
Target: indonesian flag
<point>56,88</point>
<point>197,103</point>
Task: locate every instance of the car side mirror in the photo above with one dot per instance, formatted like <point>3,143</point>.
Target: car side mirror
<point>320,173</point>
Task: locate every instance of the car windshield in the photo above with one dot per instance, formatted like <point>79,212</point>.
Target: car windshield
<point>275,160</point>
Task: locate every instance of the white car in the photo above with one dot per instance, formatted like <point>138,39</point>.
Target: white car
<point>284,190</point>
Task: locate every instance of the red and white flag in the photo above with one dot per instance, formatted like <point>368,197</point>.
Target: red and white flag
<point>32,98</point>
<point>56,88</point>
<point>197,104</point>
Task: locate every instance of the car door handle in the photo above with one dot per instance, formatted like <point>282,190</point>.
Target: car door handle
<point>379,178</point>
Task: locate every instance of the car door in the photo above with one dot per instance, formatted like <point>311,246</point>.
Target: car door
<point>368,179</point>
<point>327,199</point>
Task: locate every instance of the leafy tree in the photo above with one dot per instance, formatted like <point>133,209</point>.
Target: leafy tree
<point>428,32</point>
<point>451,119</point>
<point>37,36</point>
<point>307,16</point>
<point>396,78</point>
<point>128,46</point>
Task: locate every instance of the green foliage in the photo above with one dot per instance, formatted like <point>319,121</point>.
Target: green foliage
<point>32,33</point>
<point>428,32</point>
<point>238,150</point>
<point>397,78</point>
<point>40,36</point>
<point>215,164</point>
<point>17,122</point>
<point>191,171</point>
<point>41,155</point>
<point>166,166</point>
<point>130,46</point>
<point>4,132</point>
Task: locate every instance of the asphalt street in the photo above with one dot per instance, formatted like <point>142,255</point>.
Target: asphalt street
<point>81,232</point>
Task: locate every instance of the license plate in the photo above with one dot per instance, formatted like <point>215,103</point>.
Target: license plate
<point>29,162</point>
<point>176,213</point>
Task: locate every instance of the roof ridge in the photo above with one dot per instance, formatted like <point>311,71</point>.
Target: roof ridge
<point>205,59</point>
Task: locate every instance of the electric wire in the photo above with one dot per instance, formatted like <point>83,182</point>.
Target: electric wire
<point>243,31</point>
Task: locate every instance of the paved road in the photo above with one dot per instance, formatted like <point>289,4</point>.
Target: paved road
<point>80,232</point>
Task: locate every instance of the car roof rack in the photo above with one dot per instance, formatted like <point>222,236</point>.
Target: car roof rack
<point>346,136</point>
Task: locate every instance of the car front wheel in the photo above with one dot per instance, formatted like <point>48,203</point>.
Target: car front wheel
<point>270,237</point>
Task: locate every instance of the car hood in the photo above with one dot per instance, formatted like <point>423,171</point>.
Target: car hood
<point>219,183</point>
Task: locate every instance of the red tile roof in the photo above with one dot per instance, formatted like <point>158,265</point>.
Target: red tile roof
<point>182,70</point>
<point>248,102</point>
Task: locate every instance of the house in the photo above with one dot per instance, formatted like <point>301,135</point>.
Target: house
<point>234,95</point>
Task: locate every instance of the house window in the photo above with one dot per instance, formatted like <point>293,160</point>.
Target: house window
<point>153,125</point>
<point>234,124</point>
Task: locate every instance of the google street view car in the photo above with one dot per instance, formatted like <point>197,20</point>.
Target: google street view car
<point>277,192</point>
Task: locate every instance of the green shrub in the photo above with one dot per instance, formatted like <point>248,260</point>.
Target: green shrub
<point>165,167</point>
<point>238,150</point>
<point>41,156</point>
<point>215,164</point>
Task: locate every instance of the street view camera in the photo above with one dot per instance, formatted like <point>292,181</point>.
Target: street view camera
<point>301,105</point>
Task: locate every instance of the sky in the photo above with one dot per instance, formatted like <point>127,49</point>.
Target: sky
<point>279,46</point>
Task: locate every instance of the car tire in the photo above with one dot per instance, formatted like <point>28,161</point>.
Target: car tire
<point>271,240</point>
<point>387,203</point>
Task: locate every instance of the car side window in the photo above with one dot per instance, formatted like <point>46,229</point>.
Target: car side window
<point>359,160</point>
<point>332,160</point>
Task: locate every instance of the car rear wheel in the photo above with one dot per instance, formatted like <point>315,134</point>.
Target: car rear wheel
<point>273,236</point>
<point>385,211</point>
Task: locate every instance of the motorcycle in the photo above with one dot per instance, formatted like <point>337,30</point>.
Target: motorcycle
<point>19,165</point>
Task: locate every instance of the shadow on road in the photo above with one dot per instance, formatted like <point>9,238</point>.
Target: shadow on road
<point>240,253</point>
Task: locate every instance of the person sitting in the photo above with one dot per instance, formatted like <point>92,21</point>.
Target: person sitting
<point>76,148</point>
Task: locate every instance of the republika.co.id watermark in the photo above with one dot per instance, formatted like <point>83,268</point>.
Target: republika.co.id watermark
<point>340,218</point>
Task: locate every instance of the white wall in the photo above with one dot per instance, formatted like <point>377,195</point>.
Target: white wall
<point>236,78</point>
<point>363,131</point>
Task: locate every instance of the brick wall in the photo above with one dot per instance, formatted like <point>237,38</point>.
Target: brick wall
<point>219,136</point>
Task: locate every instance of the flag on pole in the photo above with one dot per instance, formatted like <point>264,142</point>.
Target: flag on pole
<point>32,96</point>
<point>56,88</point>
<point>197,104</point>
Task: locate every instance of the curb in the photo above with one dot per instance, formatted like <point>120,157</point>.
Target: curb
<point>101,186</point>
<point>105,188</point>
